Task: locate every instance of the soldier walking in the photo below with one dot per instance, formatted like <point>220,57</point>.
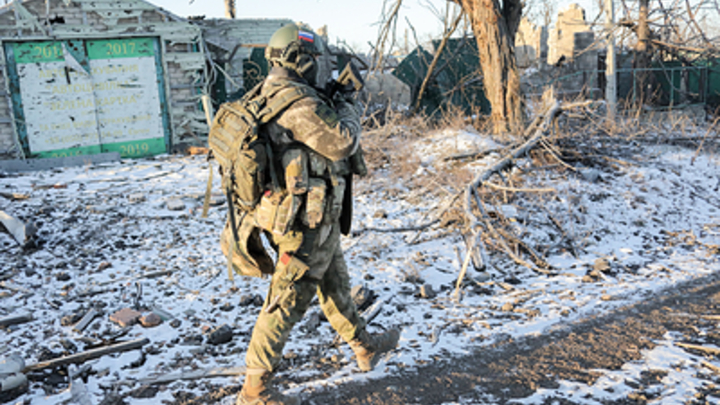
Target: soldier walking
<point>313,149</point>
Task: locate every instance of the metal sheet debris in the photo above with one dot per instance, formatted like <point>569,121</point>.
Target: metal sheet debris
<point>18,229</point>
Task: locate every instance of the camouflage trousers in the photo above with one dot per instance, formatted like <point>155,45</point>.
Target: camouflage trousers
<point>326,275</point>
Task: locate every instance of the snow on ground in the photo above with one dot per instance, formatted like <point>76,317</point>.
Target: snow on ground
<point>103,229</point>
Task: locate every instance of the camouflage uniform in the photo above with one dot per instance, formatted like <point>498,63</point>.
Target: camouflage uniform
<point>310,259</point>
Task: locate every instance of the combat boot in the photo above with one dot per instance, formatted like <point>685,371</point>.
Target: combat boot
<point>257,390</point>
<point>369,348</point>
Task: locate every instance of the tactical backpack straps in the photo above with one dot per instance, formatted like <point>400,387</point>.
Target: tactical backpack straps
<point>269,105</point>
<point>280,98</point>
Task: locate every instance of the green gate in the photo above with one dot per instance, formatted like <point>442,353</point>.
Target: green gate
<point>76,97</point>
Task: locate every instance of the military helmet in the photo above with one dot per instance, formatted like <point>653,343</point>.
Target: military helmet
<point>294,48</point>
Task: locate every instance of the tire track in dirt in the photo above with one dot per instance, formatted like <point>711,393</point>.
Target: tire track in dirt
<point>515,369</point>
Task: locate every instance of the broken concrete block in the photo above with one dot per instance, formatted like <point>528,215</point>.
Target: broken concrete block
<point>175,204</point>
<point>13,382</point>
<point>312,323</point>
<point>136,198</point>
<point>247,300</point>
<point>11,364</point>
<point>220,335</point>
<point>104,265</point>
<point>22,232</point>
<point>362,296</point>
<point>602,264</point>
<point>112,399</point>
<point>125,317</point>
<point>150,320</point>
<point>427,292</point>
<point>591,175</point>
<point>12,386</point>
<point>71,319</point>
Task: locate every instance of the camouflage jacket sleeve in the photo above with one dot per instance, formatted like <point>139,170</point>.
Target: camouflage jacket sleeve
<point>333,133</point>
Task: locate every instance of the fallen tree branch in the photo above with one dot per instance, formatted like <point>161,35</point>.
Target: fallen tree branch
<point>709,350</point>
<point>539,128</point>
<point>15,319</point>
<point>519,190</point>
<point>472,155</point>
<point>401,229</point>
<point>431,69</point>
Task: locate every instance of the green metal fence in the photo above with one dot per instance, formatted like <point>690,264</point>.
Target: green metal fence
<point>456,81</point>
<point>668,85</point>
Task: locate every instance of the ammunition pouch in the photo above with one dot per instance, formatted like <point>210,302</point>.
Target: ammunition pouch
<point>288,271</point>
<point>276,212</point>
<point>314,203</point>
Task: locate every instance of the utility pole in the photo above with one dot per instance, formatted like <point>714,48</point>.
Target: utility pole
<point>610,76</point>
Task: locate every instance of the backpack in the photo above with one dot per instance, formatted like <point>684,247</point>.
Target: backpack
<point>243,151</point>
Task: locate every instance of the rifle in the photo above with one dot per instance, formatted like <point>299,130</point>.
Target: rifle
<point>348,81</point>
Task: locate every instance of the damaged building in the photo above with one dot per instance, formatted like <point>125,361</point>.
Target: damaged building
<point>82,77</point>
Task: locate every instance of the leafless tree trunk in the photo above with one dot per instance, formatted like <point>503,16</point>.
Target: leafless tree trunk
<point>495,25</point>
<point>230,8</point>
<point>642,55</point>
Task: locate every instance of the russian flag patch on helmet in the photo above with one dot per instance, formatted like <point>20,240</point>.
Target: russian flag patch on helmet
<point>306,36</point>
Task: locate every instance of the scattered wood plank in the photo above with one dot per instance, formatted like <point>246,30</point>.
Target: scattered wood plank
<point>88,355</point>
<point>14,196</point>
<point>712,367</point>
<point>197,150</point>
<point>709,350</point>
<point>15,319</point>
<point>153,274</point>
<point>86,319</point>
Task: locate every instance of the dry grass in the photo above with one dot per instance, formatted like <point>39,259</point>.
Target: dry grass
<point>390,151</point>
<point>579,140</point>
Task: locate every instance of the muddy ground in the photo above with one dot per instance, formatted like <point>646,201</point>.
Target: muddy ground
<point>512,370</point>
<point>515,369</point>
<point>506,372</point>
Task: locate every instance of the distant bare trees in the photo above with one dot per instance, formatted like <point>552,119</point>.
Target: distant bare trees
<point>668,30</point>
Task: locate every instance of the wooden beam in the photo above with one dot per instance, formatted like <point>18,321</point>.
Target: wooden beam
<point>88,355</point>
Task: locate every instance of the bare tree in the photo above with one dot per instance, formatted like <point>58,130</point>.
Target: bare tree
<point>230,8</point>
<point>642,54</point>
<point>668,30</point>
<point>495,24</point>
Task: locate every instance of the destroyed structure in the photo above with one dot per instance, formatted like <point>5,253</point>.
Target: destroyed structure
<point>84,77</point>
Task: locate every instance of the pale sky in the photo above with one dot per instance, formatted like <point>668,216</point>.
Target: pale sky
<point>353,21</point>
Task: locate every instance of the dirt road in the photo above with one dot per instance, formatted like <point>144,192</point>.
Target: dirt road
<point>515,369</point>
